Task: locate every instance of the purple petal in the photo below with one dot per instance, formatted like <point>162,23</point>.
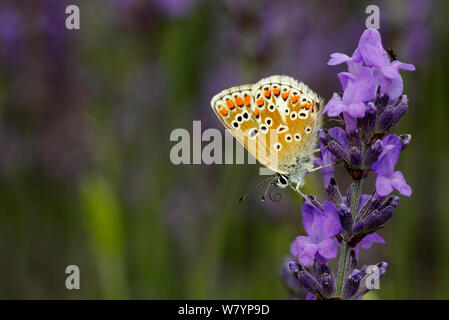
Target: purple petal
<point>371,49</point>
<point>404,66</point>
<point>398,182</point>
<point>356,110</point>
<point>307,255</point>
<point>389,157</point>
<point>338,58</point>
<point>327,248</point>
<point>339,134</point>
<point>298,245</point>
<point>345,77</point>
<point>383,186</point>
<point>362,88</point>
<point>367,242</point>
<point>336,110</point>
<point>309,216</point>
<point>331,222</point>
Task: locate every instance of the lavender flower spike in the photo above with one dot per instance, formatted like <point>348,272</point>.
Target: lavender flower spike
<point>370,106</point>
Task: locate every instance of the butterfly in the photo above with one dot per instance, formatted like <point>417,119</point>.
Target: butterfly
<point>277,120</point>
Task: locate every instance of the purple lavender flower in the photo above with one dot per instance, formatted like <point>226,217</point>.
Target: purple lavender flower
<point>371,105</point>
<point>357,89</point>
<point>385,185</point>
<point>367,242</point>
<point>387,178</point>
<point>321,226</point>
<point>371,53</point>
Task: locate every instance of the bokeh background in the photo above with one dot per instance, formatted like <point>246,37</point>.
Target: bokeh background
<point>85,121</point>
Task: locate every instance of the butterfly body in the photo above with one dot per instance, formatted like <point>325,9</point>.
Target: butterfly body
<point>276,120</point>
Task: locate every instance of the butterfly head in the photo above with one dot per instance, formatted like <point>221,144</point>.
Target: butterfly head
<point>282,181</point>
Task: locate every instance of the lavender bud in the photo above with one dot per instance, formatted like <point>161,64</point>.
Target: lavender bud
<point>295,268</point>
<point>398,113</point>
<point>349,195</point>
<point>369,121</point>
<point>314,201</point>
<point>309,283</point>
<point>382,268</point>
<point>353,258</point>
<point>405,140</point>
<point>355,157</point>
<point>389,201</point>
<point>381,101</point>
<point>351,285</point>
<point>373,153</point>
<point>369,206</point>
<point>327,285</point>
<point>338,150</point>
<point>385,120</point>
<point>368,275</point>
<point>345,218</point>
<point>371,222</point>
<point>358,227</point>
<point>325,136</point>
<point>386,214</point>
<point>377,218</point>
<point>333,193</point>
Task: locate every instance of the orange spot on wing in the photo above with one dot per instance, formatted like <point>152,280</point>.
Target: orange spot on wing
<point>303,106</point>
<point>230,104</point>
<point>247,99</point>
<point>239,101</point>
<point>295,99</point>
<point>276,91</point>
<point>308,106</point>
<point>260,102</point>
<point>223,111</point>
<point>256,113</point>
<point>267,93</point>
<point>285,95</point>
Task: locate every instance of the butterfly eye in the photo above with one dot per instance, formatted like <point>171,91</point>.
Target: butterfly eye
<point>277,146</point>
<point>288,138</point>
<point>239,118</point>
<point>286,111</point>
<point>293,116</point>
<point>308,129</point>
<point>235,124</point>
<point>297,137</point>
<point>245,115</point>
<point>271,107</point>
<point>282,182</point>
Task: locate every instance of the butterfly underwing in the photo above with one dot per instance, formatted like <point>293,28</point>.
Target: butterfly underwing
<point>277,120</point>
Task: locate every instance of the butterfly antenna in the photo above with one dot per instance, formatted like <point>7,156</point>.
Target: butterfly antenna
<point>255,187</point>
<point>268,188</point>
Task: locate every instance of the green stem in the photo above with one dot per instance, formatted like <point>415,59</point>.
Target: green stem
<point>344,263</point>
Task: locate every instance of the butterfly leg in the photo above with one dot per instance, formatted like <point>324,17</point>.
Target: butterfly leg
<point>298,191</point>
<point>318,150</point>
<point>321,167</point>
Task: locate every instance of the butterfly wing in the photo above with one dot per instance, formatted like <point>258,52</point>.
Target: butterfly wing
<point>276,119</point>
<point>236,109</point>
<point>294,111</point>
